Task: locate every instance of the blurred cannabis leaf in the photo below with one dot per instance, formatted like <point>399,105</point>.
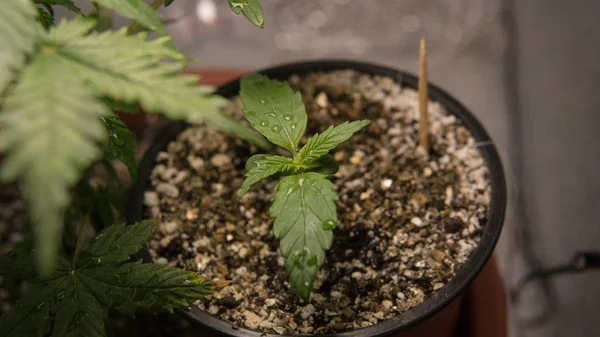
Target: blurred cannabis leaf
<point>57,88</point>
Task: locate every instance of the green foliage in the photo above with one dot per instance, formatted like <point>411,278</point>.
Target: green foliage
<point>137,10</point>
<point>320,144</point>
<point>75,298</point>
<point>116,243</point>
<point>121,144</point>
<point>45,17</point>
<point>274,110</point>
<point>53,124</point>
<point>251,9</point>
<point>120,106</point>
<point>48,151</point>
<point>264,168</point>
<point>18,33</point>
<point>305,215</point>
<point>97,202</point>
<point>69,4</point>
<point>168,2</point>
<point>58,86</point>
<point>304,203</point>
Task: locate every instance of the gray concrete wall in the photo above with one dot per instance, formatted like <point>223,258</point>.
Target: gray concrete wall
<point>557,77</point>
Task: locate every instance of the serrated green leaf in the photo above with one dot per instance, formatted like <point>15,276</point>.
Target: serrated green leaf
<point>251,10</point>
<point>325,165</point>
<point>254,13</point>
<point>31,315</point>
<point>69,30</point>
<point>134,287</point>
<point>116,243</point>
<point>73,34</point>
<point>237,5</point>
<point>252,161</point>
<point>73,301</point>
<point>45,18</point>
<point>121,144</point>
<point>129,68</point>
<point>79,313</point>
<point>18,35</point>
<point>50,133</point>
<point>137,10</point>
<point>65,3</point>
<point>18,264</point>
<point>320,144</point>
<point>49,9</point>
<point>305,214</point>
<point>274,110</point>
<point>117,105</point>
<point>265,167</point>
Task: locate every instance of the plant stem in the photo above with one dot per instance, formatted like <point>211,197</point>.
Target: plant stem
<point>80,237</point>
<point>110,170</point>
<point>423,97</point>
<point>136,27</point>
<point>105,20</point>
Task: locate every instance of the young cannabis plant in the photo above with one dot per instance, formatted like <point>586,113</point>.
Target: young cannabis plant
<point>304,203</point>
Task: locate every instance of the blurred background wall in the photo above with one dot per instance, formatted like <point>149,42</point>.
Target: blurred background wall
<point>528,69</point>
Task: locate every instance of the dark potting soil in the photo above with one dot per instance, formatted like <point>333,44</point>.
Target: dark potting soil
<point>407,220</point>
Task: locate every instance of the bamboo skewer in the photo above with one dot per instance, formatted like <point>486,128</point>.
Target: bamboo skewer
<point>423,97</point>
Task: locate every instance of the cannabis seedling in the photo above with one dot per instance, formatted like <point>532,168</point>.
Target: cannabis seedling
<point>304,203</point>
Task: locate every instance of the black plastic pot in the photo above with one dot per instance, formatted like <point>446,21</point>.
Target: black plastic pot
<point>432,305</point>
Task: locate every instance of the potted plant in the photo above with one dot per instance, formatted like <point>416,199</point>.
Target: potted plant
<point>59,85</point>
<point>412,228</point>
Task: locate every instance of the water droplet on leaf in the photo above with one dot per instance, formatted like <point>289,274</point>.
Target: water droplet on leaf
<point>329,225</point>
<point>287,117</point>
<point>118,141</point>
<point>270,114</point>
<point>276,128</point>
<point>293,126</point>
<point>264,123</point>
<point>263,101</point>
<point>39,306</point>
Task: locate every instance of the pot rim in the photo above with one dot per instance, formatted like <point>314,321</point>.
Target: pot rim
<point>433,304</point>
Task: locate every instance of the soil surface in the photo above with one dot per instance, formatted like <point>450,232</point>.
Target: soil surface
<point>407,220</point>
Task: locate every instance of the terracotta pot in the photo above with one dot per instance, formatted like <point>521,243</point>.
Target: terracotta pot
<point>471,304</point>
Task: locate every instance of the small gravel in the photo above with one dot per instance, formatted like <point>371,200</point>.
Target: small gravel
<point>408,220</point>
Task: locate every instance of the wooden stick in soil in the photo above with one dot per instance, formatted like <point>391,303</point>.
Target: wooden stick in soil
<point>423,97</point>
